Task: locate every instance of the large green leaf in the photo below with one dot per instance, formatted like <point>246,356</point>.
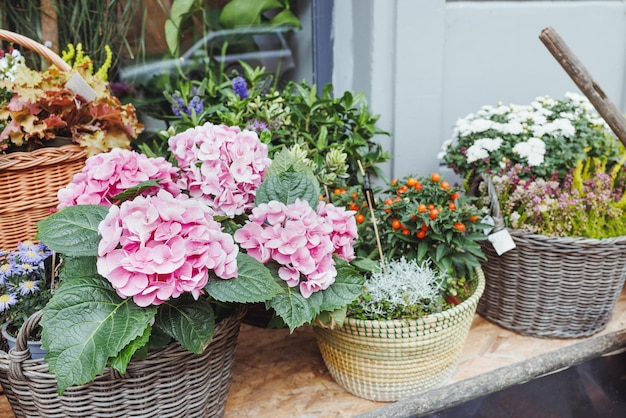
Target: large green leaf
<point>245,12</point>
<point>293,308</point>
<point>288,186</point>
<point>286,18</point>
<point>190,322</point>
<point>180,10</point>
<point>254,283</point>
<point>85,324</point>
<point>346,288</point>
<point>135,191</point>
<point>73,231</point>
<point>120,362</point>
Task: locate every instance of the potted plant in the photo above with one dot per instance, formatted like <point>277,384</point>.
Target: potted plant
<point>406,330</point>
<point>153,269</point>
<point>26,286</point>
<point>551,177</point>
<point>47,130</point>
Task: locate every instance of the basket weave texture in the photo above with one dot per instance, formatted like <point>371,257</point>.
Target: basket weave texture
<point>29,182</point>
<point>552,287</point>
<point>392,360</point>
<point>171,382</point>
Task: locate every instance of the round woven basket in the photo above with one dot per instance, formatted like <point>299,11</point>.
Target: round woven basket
<point>171,382</point>
<point>392,360</point>
<point>29,182</point>
<point>553,287</point>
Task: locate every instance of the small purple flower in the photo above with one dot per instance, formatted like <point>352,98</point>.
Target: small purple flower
<point>179,106</point>
<point>195,105</point>
<point>240,88</point>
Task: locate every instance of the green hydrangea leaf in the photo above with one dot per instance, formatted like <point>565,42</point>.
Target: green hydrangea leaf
<point>288,186</point>
<point>254,283</point>
<point>73,267</point>
<point>85,324</point>
<point>120,362</point>
<point>293,308</point>
<point>190,322</point>
<point>73,231</point>
<point>135,191</point>
<point>346,288</point>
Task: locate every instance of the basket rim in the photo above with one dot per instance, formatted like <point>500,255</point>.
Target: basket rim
<point>457,310</point>
<point>566,240</point>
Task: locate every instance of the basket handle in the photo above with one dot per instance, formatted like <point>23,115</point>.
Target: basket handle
<point>42,50</point>
<point>21,352</point>
<point>494,204</point>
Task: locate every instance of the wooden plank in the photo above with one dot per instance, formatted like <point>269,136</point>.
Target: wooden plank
<point>581,76</point>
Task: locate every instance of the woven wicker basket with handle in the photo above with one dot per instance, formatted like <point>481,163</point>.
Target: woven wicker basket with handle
<point>171,382</point>
<point>554,287</point>
<point>30,180</point>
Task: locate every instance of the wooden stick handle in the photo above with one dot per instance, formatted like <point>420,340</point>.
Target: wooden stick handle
<point>579,74</point>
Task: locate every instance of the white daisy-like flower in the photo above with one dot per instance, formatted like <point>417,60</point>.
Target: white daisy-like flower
<point>480,125</point>
<point>475,153</point>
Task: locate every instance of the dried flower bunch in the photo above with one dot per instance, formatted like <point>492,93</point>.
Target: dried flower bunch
<point>37,107</point>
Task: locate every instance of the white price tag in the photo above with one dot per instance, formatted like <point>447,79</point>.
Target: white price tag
<point>489,221</point>
<point>501,241</point>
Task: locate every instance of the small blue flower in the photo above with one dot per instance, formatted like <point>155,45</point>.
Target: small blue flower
<point>196,105</point>
<point>240,88</point>
<point>6,301</point>
<point>28,286</point>
<point>178,107</point>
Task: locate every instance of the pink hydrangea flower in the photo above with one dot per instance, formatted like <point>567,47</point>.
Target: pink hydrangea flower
<point>156,248</point>
<point>108,174</point>
<point>301,240</point>
<point>221,165</point>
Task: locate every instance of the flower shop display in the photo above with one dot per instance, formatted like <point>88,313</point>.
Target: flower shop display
<point>551,177</point>
<point>405,331</point>
<point>158,258</point>
<point>47,130</point>
<point>25,288</point>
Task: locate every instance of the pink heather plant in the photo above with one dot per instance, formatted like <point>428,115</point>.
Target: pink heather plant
<point>220,165</point>
<point>155,248</point>
<point>109,174</point>
<point>300,240</point>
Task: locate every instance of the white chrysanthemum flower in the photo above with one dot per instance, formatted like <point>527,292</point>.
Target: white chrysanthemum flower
<point>533,150</point>
<point>480,125</point>
<point>475,153</point>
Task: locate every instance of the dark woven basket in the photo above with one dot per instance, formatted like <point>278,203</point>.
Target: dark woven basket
<point>171,382</point>
<point>552,286</point>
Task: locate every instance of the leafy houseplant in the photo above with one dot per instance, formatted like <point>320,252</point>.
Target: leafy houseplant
<point>153,246</point>
<point>330,134</point>
<point>25,285</point>
<point>38,107</point>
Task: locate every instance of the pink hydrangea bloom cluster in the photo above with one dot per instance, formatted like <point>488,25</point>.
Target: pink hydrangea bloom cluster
<point>155,248</point>
<point>108,174</point>
<point>301,240</point>
<point>221,165</point>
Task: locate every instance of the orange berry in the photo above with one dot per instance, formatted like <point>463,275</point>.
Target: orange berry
<point>455,195</point>
<point>433,213</point>
<point>435,177</point>
<point>420,234</point>
<point>403,189</point>
<point>414,218</point>
<point>411,182</point>
<point>388,202</point>
<point>354,207</point>
<point>425,227</point>
<point>431,206</point>
<point>459,227</point>
<point>337,191</point>
<point>394,182</point>
<point>354,195</point>
<point>421,208</point>
<point>406,232</point>
<point>444,185</point>
<point>360,218</point>
<point>473,218</point>
<point>396,224</point>
<point>452,206</point>
<point>418,186</point>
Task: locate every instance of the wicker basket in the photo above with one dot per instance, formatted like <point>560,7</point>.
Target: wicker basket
<point>551,286</point>
<point>171,382</point>
<point>30,180</point>
<point>392,360</point>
